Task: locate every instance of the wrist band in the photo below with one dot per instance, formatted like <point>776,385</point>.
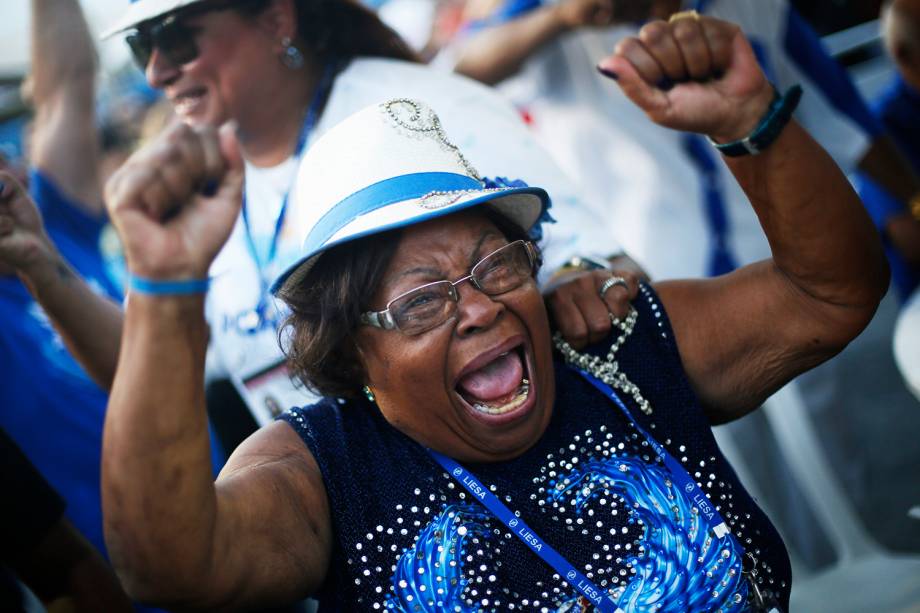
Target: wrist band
<point>168,287</point>
<point>777,116</point>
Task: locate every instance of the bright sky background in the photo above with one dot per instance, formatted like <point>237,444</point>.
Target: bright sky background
<point>14,32</point>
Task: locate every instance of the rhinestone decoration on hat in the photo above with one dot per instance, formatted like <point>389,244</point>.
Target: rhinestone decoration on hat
<point>391,139</point>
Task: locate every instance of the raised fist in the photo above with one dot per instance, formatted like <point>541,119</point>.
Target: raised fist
<point>175,201</point>
<point>23,241</point>
<point>694,73</point>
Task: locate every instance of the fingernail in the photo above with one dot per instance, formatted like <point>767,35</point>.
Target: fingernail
<point>210,188</point>
<point>608,73</point>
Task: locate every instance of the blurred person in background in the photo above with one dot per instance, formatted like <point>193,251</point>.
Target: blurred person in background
<point>283,72</point>
<point>43,549</point>
<point>898,109</point>
<point>48,404</point>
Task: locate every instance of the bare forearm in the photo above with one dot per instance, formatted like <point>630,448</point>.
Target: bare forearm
<point>65,140</point>
<point>821,237</point>
<point>159,500</point>
<point>499,52</point>
<point>62,49</point>
<point>89,324</point>
<point>772,320</point>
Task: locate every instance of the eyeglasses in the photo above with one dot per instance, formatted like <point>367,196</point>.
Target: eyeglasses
<point>430,305</point>
<point>174,39</point>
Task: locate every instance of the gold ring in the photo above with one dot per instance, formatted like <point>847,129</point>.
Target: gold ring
<point>691,14</point>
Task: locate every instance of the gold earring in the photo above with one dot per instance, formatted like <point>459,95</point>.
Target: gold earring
<point>369,394</point>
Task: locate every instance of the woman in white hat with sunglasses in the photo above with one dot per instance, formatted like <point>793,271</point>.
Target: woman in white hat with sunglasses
<point>458,463</point>
<point>284,72</point>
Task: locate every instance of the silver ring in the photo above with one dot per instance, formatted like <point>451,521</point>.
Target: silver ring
<point>614,280</point>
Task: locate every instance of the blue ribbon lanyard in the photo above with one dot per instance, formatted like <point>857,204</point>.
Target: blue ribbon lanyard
<point>600,598</point>
<point>684,481</point>
<point>261,309</point>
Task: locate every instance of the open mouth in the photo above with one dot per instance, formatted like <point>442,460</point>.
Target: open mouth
<point>499,387</point>
<point>187,102</point>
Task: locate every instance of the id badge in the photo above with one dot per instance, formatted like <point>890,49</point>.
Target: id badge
<point>269,391</point>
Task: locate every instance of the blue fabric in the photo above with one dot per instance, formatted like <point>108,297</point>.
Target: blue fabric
<point>536,231</point>
<point>805,48</point>
<point>379,195</point>
<point>898,109</point>
<point>400,521</point>
<point>721,259</point>
<point>510,10</point>
<point>48,405</point>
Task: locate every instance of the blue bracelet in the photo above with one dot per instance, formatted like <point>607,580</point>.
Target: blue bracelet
<point>168,287</point>
<point>769,128</point>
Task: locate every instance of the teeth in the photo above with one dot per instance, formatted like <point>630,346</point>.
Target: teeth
<point>515,402</point>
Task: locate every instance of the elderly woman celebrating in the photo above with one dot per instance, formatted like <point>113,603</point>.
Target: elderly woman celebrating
<point>458,462</point>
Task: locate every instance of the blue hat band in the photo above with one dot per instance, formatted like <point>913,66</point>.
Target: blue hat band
<point>381,194</point>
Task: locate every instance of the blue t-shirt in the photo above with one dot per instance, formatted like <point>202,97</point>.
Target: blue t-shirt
<point>48,404</point>
<point>898,109</point>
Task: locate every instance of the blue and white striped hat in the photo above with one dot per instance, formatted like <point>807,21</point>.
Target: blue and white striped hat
<point>385,167</point>
<point>140,11</point>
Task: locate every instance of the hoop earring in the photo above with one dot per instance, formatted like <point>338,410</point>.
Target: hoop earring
<point>369,394</point>
<point>291,56</point>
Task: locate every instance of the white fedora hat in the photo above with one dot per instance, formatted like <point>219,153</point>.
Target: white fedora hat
<point>140,11</point>
<point>386,167</point>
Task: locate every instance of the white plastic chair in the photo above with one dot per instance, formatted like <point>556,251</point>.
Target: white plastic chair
<point>907,343</point>
<point>864,576</point>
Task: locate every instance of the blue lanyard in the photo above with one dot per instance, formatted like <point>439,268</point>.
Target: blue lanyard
<point>600,598</point>
<point>319,96</point>
<point>680,475</point>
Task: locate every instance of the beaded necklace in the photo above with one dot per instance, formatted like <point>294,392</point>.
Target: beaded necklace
<point>607,370</point>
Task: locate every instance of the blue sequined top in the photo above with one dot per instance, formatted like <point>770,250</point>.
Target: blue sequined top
<point>408,538</point>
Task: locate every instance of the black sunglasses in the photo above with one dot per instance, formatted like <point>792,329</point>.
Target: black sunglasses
<point>174,38</point>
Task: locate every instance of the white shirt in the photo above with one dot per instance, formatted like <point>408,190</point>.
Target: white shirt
<point>637,175</point>
<point>486,129</point>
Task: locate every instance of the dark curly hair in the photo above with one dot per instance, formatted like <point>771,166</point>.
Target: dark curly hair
<point>341,29</point>
<point>318,336</point>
